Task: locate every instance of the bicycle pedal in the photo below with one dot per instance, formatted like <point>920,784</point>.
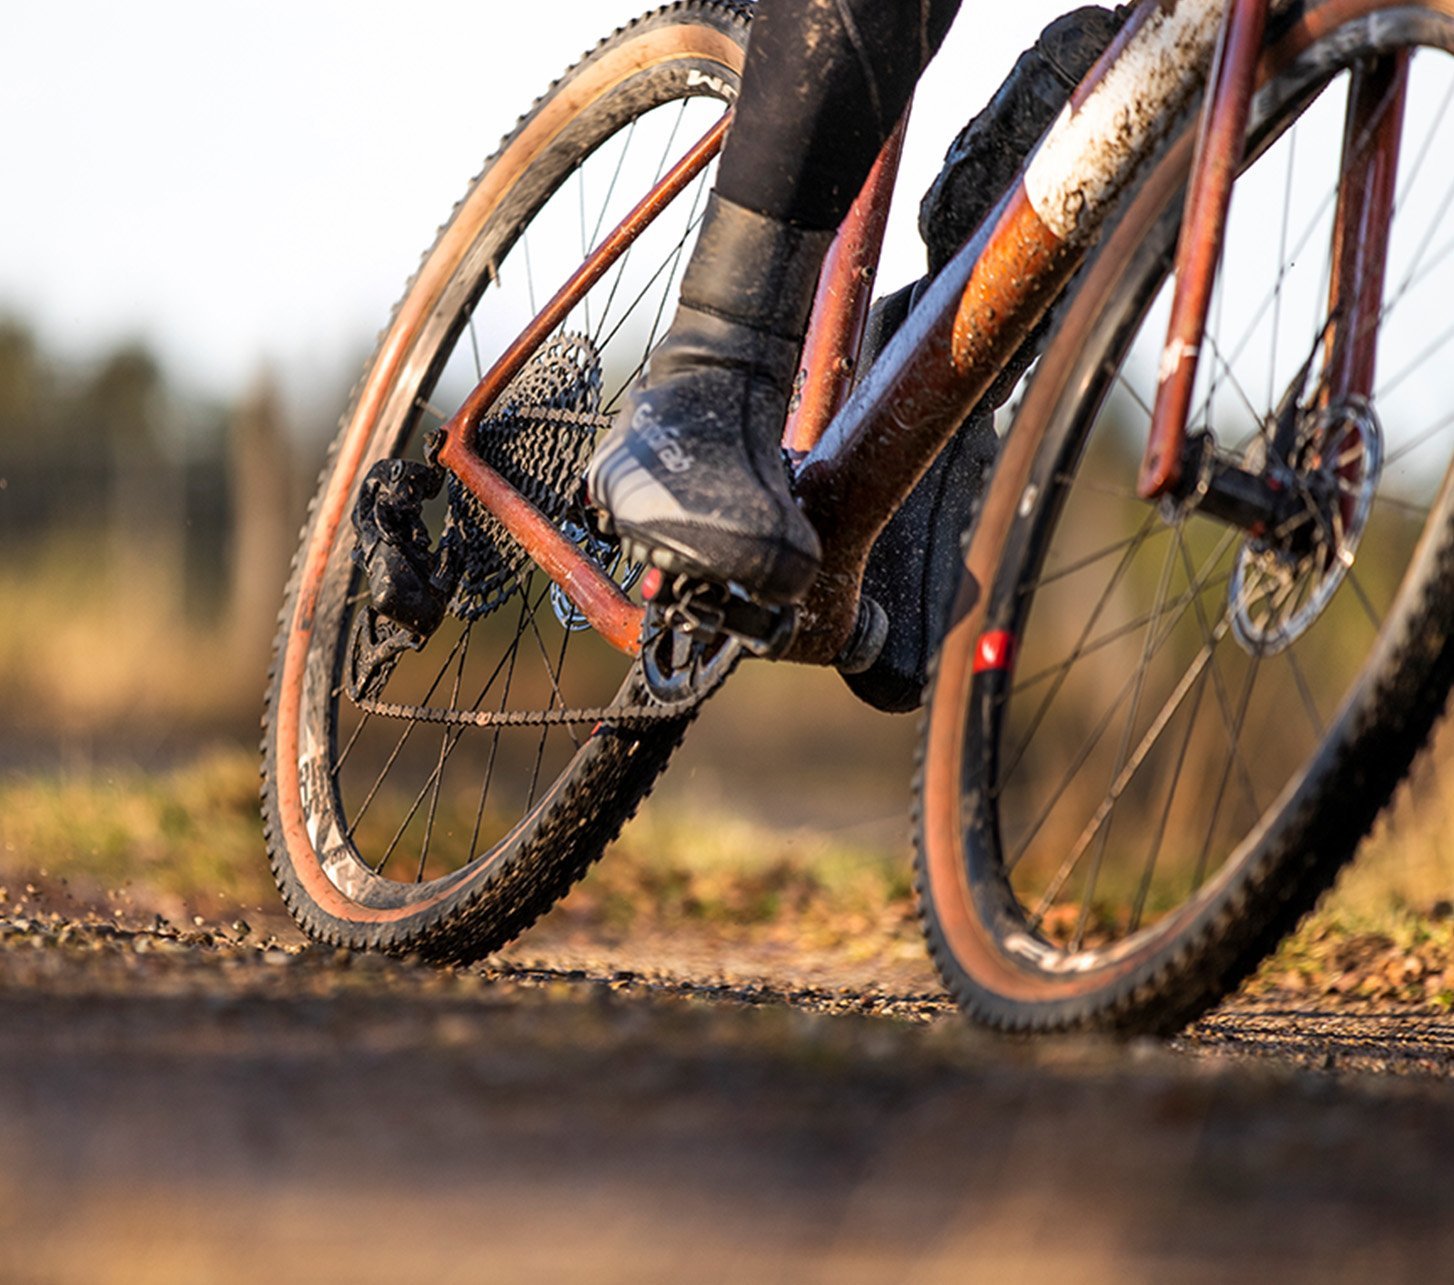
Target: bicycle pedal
<point>704,610</point>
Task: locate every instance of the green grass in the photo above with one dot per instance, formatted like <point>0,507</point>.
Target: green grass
<point>195,831</point>
<point>192,835</point>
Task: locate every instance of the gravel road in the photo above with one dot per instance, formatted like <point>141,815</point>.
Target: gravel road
<point>204,1106</point>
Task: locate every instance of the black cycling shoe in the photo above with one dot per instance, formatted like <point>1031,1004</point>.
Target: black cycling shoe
<point>692,477</point>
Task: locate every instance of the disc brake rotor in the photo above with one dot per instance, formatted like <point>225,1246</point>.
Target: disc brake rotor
<point>1284,579</point>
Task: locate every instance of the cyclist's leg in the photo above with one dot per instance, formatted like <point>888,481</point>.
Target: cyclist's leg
<point>691,473</point>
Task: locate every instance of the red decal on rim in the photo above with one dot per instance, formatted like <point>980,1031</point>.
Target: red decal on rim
<point>995,650</point>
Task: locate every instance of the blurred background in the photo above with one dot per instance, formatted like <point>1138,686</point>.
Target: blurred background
<point>209,213</point>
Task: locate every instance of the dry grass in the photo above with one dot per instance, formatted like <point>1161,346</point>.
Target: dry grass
<point>191,837</point>
<point>77,657</point>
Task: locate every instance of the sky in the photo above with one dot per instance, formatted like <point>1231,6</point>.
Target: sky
<point>241,184</point>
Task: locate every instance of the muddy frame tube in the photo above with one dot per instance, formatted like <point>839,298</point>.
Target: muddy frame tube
<point>1199,247</point>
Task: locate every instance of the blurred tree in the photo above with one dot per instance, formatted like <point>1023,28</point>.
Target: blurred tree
<point>124,403</point>
<point>25,392</point>
<point>264,522</point>
<point>122,410</point>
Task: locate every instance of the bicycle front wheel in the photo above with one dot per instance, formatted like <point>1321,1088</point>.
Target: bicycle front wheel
<point>439,800</point>
<point>1155,739</point>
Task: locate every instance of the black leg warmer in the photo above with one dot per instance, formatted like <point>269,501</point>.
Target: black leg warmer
<point>825,84</point>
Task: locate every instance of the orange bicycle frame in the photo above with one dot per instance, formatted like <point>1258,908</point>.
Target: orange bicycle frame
<point>861,452</point>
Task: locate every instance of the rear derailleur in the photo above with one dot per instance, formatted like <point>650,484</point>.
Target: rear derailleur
<point>408,588</point>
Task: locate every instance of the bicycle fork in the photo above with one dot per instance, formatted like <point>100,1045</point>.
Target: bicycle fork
<point>1190,471</point>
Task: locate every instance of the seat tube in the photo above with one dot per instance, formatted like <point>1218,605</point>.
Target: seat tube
<point>828,365</point>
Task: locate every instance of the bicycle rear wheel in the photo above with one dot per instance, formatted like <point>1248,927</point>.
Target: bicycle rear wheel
<point>1154,740</point>
<point>439,801</point>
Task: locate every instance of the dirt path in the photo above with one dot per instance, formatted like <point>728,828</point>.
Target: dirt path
<point>184,1107</point>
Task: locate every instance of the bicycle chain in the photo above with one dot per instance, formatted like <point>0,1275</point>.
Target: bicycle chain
<point>530,717</point>
<point>620,714</point>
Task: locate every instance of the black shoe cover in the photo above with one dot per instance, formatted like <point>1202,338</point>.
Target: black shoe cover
<point>692,476</point>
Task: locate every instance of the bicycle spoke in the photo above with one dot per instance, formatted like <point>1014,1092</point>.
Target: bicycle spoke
<point>1082,648</point>
<point>1115,635</point>
<point>446,746</point>
<point>1389,385</point>
<point>1410,179</point>
<point>1135,396</point>
<point>1123,778</point>
<point>1305,693</point>
<point>430,409</point>
<point>1147,528</point>
<point>545,731</point>
<point>364,716</point>
<point>1235,739</point>
<point>1080,564</point>
<point>455,734</point>
<point>1087,748</point>
<point>1096,487</point>
<point>1163,586</point>
<point>529,274</point>
<point>585,302</point>
<point>1397,296</point>
<point>1404,506</point>
<point>1440,220</point>
<point>668,266</point>
<point>495,736</point>
<point>611,187</point>
<point>1125,771</point>
<point>475,349</point>
<point>1143,889</point>
<point>1358,592</point>
<point>1210,636</point>
<point>1282,265</point>
<point>409,730</point>
<point>1422,439</point>
<point>661,165</point>
<point>1257,416</point>
<point>557,700</point>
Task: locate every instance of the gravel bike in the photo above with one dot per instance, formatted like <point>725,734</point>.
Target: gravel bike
<point>1173,691</point>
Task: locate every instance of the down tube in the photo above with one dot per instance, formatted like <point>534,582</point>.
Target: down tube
<point>988,298</point>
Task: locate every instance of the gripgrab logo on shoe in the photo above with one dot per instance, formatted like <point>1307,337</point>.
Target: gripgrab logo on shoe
<point>663,440</point>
